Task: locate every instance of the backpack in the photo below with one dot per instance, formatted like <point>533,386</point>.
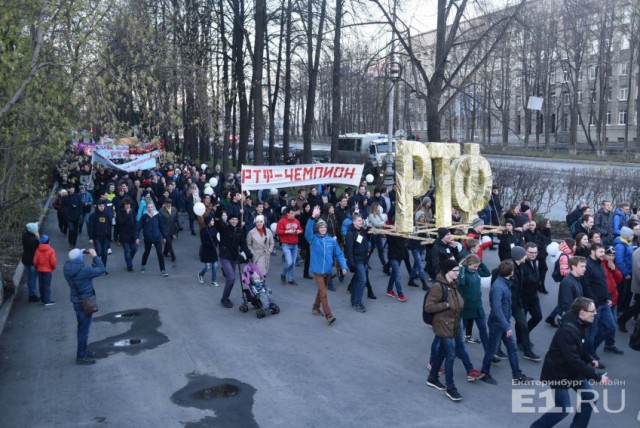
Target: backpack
<point>572,228</point>
<point>427,317</point>
<point>634,340</point>
<point>556,275</point>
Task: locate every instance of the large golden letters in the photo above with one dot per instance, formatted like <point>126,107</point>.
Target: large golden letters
<point>464,183</point>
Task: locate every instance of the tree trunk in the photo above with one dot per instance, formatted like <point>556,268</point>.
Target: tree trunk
<point>258,55</point>
<point>286,124</point>
<point>336,100</point>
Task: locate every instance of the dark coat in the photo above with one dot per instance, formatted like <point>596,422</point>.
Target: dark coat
<point>508,241</point>
<point>72,207</point>
<point>232,242</point>
<point>126,226</point>
<point>471,291</point>
<point>152,227</point>
<point>438,249</point>
<point>99,225</point>
<point>208,243</point>
<point>29,246</point>
<point>397,249</point>
<point>356,252</point>
<point>568,357</point>
<point>594,282</point>
<point>570,288</point>
<point>603,223</point>
<point>446,318</point>
<point>530,277</point>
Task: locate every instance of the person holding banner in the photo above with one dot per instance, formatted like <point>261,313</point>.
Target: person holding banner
<point>288,230</point>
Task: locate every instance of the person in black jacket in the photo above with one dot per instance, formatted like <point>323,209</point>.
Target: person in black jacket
<point>569,365</point>
<point>508,240</point>
<point>72,211</point>
<point>356,250</point>
<point>208,254</point>
<point>126,222</point>
<point>233,249</point>
<point>396,253</point>
<point>30,242</point>
<point>530,280</point>
<point>154,233</point>
<point>100,231</point>
<point>594,285</point>
<point>443,248</point>
<point>571,285</point>
<point>172,223</point>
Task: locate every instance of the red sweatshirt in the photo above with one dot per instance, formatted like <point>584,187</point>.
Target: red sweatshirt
<point>614,277</point>
<point>284,225</point>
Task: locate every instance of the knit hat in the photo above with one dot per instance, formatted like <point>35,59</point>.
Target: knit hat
<point>442,232</point>
<point>510,221</point>
<point>610,250</point>
<point>44,239</point>
<point>518,253</point>
<point>75,254</point>
<point>417,216</point>
<point>447,266</point>
<point>477,222</point>
<point>168,201</point>
<point>32,227</point>
<point>626,233</point>
<point>320,223</point>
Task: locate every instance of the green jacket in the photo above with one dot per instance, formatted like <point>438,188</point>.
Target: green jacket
<point>471,292</point>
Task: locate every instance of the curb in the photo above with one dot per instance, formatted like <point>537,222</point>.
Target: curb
<point>5,309</point>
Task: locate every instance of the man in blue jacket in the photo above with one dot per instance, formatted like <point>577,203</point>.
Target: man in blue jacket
<point>323,249</point>
<point>154,232</point>
<point>80,280</point>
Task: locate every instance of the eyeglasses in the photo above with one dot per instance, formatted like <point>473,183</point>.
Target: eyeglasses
<point>455,270</point>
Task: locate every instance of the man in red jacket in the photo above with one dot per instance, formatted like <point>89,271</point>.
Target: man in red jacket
<point>288,229</point>
<point>45,263</point>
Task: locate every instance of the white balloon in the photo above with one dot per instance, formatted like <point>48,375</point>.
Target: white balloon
<point>203,166</point>
<point>208,191</point>
<point>247,194</point>
<point>274,191</point>
<point>213,181</point>
<point>485,282</point>
<point>369,178</point>
<point>199,208</point>
<point>553,251</point>
<point>273,228</point>
<point>486,239</point>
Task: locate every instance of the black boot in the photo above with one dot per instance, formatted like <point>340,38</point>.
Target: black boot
<point>370,292</point>
<point>425,286</point>
<point>411,283</point>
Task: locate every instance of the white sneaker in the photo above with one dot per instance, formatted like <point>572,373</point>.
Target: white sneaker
<point>109,251</point>
<point>200,279</point>
<point>215,284</point>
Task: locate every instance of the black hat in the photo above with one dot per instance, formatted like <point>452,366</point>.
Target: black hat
<point>448,265</point>
<point>442,232</point>
<point>168,201</point>
<point>610,250</point>
<point>510,221</point>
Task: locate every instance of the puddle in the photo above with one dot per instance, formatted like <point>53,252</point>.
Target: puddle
<point>220,391</point>
<point>128,315</point>
<point>128,342</point>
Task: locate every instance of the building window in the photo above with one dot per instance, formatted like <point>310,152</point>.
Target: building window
<point>592,119</point>
<point>592,72</point>
<point>594,96</point>
<point>565,123</point>
<point>608,118</point>
<point>609,95</point>
<point>566,99</point>
<point>565,76</point>
<point>554,100</point>
<point>624,42</point>
<point>624,69</point>
<point>624,94</point>
<point>552,77</point>
<point>622,117</point>
<point>580,76</point>
<point>579,97</point>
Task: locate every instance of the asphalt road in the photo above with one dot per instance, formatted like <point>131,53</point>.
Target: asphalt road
<point>199,364</point>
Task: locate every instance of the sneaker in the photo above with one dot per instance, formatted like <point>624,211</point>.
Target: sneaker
<point>109,251</point>
<point>129,268</point>
<point>551,321</point>
<point>622,327</point>
<point>433,382</point>
<point>501,355</point>
<point>106,273</point>
<point>488,379</point>
<point>215,284</point>
<point>33,299</point>
<point>86,361</point>
<point>471,339</point>
<point>317,312</point>
<point>495,359</point>
<point>164,273</point>
<point>200,279</point>
<point>474,375</point>
<point>143,269</point>
<point>402,297</point>
<point>226,303</point>
<point>392,294</point>
<point>529,355</point>
<point>411,283</point>
<point>91,354</point>
<point>330,287</point>
<point>360,308</point>
<point>454,394</point>
<point>522,378</point>
<point>386,271</point>
<point>293,283</point>
<point>601,366</point>
<point>331,320</point>
<point>613,350</point>
<point>51,303</point>
<point>283,279</point>
<point>440,372</point>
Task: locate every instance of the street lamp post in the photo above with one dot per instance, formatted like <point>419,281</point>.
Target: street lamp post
<point>394,75</point>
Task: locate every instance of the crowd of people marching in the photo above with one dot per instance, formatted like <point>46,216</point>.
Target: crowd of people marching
<point>331,231</point>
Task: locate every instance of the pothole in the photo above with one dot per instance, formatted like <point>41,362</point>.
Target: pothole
<point>128,342</point>
<point>128,315</point>
<point>220,391</point>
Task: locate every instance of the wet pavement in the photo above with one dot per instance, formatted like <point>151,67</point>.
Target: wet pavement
<point>170,355</point>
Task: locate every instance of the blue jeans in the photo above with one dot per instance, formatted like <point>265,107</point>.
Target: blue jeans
<point>102,247</point>
<point>32,278</point>
<point>84,222</point>
<point>214,271</point>
<point>395,276</point>
<point>417,270</point>
<point>130,250</point>
<point>84,325</point>
<point>44,281</point>
<point>481,323</point>
<point>562,401</point>
<point>357,289</point>
<point>496,334</point>
<point>448,349</point>
<point>603,327</point>
<point>290,252</point>
<point>377,244</point>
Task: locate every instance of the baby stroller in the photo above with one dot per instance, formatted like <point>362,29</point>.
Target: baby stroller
<point>257,293</point>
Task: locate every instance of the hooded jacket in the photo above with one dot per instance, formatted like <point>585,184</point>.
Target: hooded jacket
<point>99,224</point>
<point>620,220</point>
<point>595,282</point>
<point>29,246</point>
<point>614,277</point>
<point>446,318</point>
<point>80,278</point>
<point>624,254</point>
<point>356,246</point>
<point>603,223</point>
<point>45,258</point>
<point>324,249</point>
<point>471,291</point>
<point>568,357</point>
<point>500,301</point>
<point>152,227</point>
